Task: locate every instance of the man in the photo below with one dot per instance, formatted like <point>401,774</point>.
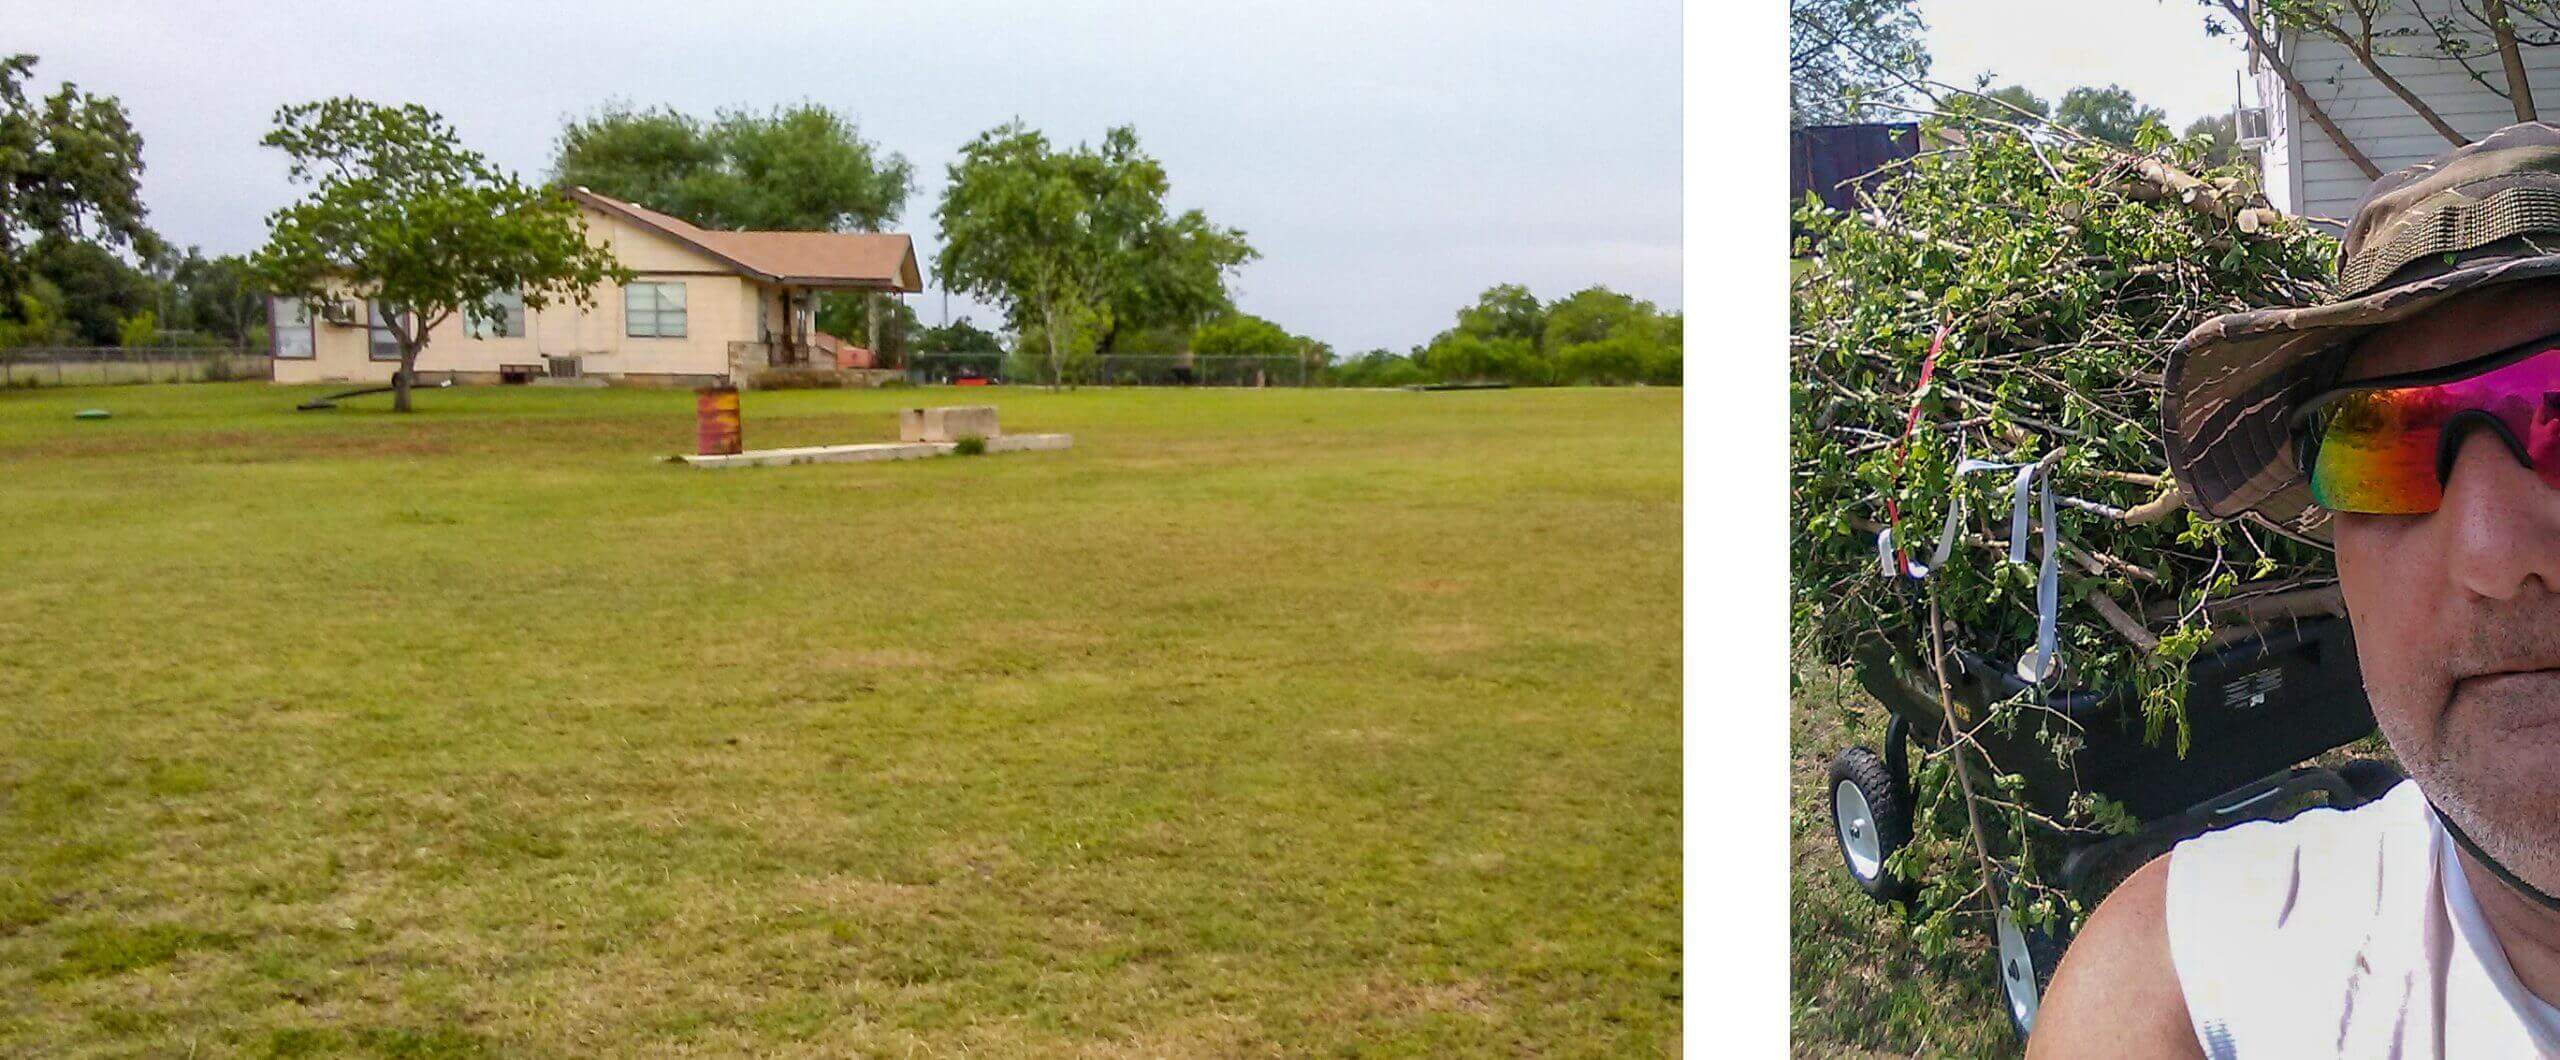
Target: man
<point>2412,424</point>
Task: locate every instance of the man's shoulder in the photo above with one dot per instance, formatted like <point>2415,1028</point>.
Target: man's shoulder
<point>2231,906</point>
<point>2117,991</point>
<point>2275,857</point>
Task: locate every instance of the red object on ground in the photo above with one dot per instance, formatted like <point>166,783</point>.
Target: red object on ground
<point>969,381</point>
<point>718,430</point>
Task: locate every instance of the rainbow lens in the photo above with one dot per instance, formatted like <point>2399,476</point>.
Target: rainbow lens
<point>2378,448</point>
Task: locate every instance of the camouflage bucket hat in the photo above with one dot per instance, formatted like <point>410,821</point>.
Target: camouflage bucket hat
<point>2484,213</point>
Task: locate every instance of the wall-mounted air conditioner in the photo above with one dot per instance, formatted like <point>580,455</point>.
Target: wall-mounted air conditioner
<point>2250,123</point>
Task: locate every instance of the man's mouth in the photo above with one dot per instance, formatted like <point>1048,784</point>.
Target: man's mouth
<point>2493,681</point>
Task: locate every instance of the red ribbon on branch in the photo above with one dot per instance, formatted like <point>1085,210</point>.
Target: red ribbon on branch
<point>1902,449</point>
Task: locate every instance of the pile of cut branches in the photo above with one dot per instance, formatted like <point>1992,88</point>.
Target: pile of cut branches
<point>2052,273</point>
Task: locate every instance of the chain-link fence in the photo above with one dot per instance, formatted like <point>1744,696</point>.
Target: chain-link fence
<point>1115,369</point>
<point>99,365</point>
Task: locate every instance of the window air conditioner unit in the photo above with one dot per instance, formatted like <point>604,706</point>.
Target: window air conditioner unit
<point>343,314</point>
<point>2250,123</point>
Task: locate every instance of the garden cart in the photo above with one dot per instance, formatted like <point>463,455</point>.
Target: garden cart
<point>2258,706</point>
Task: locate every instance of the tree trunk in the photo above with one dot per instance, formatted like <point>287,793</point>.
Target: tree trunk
<point>402,379</point>
<point>1049,330</point>
<point>2293,87</point>
<point>2519,90</point>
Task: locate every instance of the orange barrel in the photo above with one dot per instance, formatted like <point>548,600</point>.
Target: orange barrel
<point>718,431</point>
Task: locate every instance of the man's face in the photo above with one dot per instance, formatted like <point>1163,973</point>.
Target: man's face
<point>2457,612</point>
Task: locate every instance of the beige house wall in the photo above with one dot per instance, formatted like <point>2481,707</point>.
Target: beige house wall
<point>721,308</point>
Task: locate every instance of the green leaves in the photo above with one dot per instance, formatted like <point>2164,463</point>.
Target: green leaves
<point>1077,243</point>
<point>802,167</point>
<point>400,212</point>
<point>70,170</point>
<point>2063,280</point>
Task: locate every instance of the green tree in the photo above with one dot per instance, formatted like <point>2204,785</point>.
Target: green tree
<point>37,319</point>
<point>847,315</point>
<point>1505,311</point>
<point>2018,96</point>
<point>1076,243</point>
<point>139,330</point>
<point>70,171</point>
<point>1245,335</point>
<point>98,290</point>
<point>399,212</point>
<point>959,336</point>
<point>1846,56</point>
<point>2220,139</point>
<point>797,168</point>
<point>217,297</point>
<point>1596,313</point>
<point>1377,368</point>
<point>2110,114</point>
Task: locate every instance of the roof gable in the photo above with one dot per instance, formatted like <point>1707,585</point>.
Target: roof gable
<point>882,261</point>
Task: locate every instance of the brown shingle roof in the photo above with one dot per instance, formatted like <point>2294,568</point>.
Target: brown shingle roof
<point>813,259</point>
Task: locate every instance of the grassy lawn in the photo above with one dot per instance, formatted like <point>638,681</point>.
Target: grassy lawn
<point>1861,986</point>
<point>1258,723</point>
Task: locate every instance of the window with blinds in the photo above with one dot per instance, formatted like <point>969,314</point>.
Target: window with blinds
<point>653,310</point>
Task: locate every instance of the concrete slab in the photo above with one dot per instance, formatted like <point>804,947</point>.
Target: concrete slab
<point>854,454</point>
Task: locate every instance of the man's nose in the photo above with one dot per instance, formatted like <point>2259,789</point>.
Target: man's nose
<point>2504,523</point>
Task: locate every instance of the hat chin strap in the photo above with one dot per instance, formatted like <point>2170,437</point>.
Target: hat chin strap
<point>2514,882</point>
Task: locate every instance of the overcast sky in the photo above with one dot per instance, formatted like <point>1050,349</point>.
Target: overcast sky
<point>2157,49</point>
<point>1389,159</point>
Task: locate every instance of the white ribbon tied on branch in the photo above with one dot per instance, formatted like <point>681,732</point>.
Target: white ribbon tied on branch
<point>2033,480</point>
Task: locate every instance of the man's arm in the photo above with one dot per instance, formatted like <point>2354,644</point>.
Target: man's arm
<point>2116,993</point>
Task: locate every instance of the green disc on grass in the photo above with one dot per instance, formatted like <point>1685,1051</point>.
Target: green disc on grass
<point>91,414</point>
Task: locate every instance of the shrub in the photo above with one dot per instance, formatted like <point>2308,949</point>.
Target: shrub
<point>797,378</point>
<point>969,445</point>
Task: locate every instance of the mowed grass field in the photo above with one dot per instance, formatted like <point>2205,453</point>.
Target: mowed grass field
<point>1258,723</point>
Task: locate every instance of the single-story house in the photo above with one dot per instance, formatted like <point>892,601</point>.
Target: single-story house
<point>707,306</point>
<point>2305,172</point>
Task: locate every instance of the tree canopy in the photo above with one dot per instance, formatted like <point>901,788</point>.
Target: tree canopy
<point>2018,96</point>
<point>399,212</point>
<point>1077,243</point>
<point>1594,335</point>
<point>1845,56</point>
<point>798,168</point>
<point>2110,114</point>
<point>70,172</point>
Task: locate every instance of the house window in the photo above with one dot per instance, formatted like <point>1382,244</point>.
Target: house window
<point>381,343</point>
<point>508,324</point>
<point>653,310</point>
<point>289,329</point>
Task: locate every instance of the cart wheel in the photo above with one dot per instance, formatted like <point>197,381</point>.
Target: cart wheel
<point>2371,777</point>
<point>2027,960</point>
<point>1871,816</point>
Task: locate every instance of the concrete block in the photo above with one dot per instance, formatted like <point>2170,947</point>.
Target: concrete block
<point>947,423</point>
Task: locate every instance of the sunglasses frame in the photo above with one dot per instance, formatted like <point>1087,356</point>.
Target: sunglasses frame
<point>2305,426</point>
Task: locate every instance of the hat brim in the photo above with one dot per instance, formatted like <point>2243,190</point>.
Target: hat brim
<point>2232,385</point>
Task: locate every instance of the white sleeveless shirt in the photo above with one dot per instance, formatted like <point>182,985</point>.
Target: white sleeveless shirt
<point>2344,933</point>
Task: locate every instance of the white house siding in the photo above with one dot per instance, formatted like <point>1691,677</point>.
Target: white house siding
<point>720,308</point>
<point>2307,174</point>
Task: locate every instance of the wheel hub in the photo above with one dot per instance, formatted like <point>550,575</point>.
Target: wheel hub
<point>1855,820</point>
<point>2017,971</point>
